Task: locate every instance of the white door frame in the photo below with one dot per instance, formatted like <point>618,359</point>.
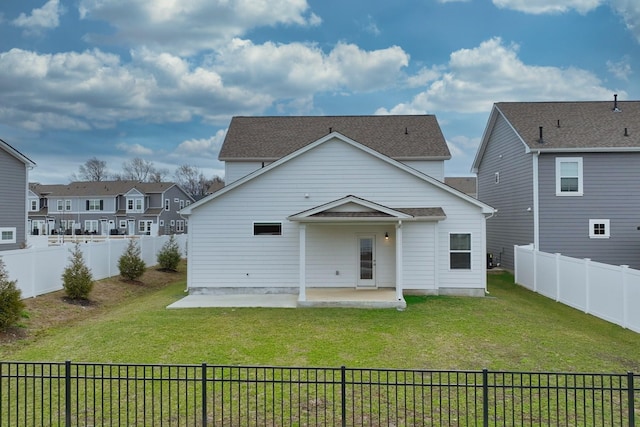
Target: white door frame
<point>366,261</point>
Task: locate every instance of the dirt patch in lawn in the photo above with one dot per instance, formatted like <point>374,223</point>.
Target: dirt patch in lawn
<point>56,309</point>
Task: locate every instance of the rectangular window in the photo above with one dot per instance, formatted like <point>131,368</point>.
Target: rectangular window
<point>569,176</point>
<point>180,226</point>
<point>91,225</point>
<point>497,177</point>
<point>599,228</point>
<point>34,205</point>
<point>7,235</point>
<point>267,228</point>
<point>139,205</point>
<point>67,205</point>
<point>60,204</point>
<point>129,204</point>
<point>181,204</point>
<point>176,200</point>
<point>162,223</point>
<point>94,205</point>
<point>167,204</point>
<point>134,205</point>
<point>188,202</point>
<point>460,251</point>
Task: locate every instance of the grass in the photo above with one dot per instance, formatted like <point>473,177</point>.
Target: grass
<point>512,329</point>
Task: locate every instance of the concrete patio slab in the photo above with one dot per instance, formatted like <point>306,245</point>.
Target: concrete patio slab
<point>241,300</point>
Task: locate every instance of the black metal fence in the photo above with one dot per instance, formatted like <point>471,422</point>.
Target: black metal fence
<point>87,394</point>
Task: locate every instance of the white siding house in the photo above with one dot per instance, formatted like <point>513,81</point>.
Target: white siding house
<point>336,213</point>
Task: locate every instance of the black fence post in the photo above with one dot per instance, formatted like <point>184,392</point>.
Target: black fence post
<point>67,393</point>
<point>632,400</point>
<point>485,397</point>
<point>343,395</point>
<point>204,394</point>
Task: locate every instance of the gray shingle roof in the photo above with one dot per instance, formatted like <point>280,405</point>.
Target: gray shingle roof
<point>270,138</point>
<point>591,125</point>
<point>99,188</point>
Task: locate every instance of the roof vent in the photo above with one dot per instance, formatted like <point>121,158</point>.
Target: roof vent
<point>541,140</point>
<point>615,104</point>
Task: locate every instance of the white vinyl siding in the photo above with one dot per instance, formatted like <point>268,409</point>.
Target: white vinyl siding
<point>220,242</point>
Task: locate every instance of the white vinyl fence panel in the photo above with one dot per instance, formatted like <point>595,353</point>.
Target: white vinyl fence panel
<point>606,291</point>
<point>38,270</point>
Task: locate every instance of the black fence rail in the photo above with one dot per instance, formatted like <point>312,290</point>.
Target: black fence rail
<point>86,394</point>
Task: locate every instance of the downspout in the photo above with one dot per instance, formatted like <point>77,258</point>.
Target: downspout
<point>399,262</point>
<point>484,237</point>
<point>536,213</point>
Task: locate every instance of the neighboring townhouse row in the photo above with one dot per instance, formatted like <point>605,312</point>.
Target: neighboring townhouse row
<point>564,176</point>
<point>14,179</point>
<point>107,208</point>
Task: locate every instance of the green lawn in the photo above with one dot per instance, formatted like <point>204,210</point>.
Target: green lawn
<point>512,329</point>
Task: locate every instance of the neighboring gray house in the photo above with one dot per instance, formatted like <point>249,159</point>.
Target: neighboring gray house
<point>14,179</point>
<point>564,176</point>
<point>107,207</point>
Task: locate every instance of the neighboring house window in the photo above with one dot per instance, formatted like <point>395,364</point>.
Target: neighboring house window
<point>267,228</point>
<point>599,228</point>
<point>162,223</point>
<point>188,202</point>
<point>123,223</point>
<point>569,176</point>
<point>176,200</point>
<point>497,177</point>
<point>60,205</point>
<point>180,226</point>
<point>181,204</point>
<point>460,251</point>
<point>167,204</point>
<point>7,235</point>
<point>134,205</point>
<point>34,205</point>
<point>91,225</point>
<point>95,205</point>
<point>144,226</point>
<point>67,205</point>
<point>172,223</point>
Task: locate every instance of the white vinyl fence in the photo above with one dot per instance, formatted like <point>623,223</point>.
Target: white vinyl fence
<point>38,270</point>
<point>606,291</point>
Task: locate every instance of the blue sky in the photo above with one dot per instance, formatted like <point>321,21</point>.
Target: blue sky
<point>160,79</point>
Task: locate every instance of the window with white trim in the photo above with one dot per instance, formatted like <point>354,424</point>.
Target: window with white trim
<point>497,177</point>
<point>460,251</point>
<point>267,228</point>
<point>67,205</point>
<point>569,176</point>
<point>180,226</point>
<point>94,205</point>
<point>122,223</point>
<point>167,204</point>
<point>60,205</point>
<point>7,235</point>
<point>181,204</point>
<point>599,229</point>
<point>91,225</point>
<point>34,205</point>
<point>135,204</point>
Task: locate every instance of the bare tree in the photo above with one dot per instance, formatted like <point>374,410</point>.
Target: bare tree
<point>193,181</point>
<point>137,169</point>
<point>92,170</point>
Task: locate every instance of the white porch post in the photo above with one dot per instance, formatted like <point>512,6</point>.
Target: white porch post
<point>302,233</point>
<point>399,264</point>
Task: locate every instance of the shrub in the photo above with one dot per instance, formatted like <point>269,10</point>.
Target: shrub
<point>130,263</point>
<point>11,304</point>
<point>76,278</point>
<point>169,255</point>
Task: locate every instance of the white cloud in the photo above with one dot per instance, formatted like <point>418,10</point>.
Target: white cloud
<point>476,78</point>
<point>296,69</point>
<point>201,148</point>
<point>620,69</point>
<point>45,18</point>
<point>549,6</point>
<point>630,12</point>
<point>134,149</point>
<point>187,27</point>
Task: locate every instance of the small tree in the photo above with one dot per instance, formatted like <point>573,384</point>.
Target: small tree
<point>169,255</point>
<point>11,304</point>
<point>76,278</point>
<point>130,263</point>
